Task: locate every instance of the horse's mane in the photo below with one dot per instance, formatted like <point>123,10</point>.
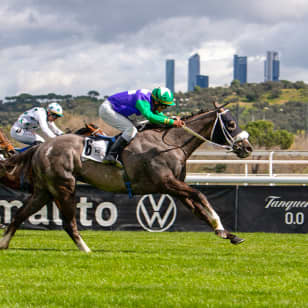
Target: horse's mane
<point>92,128</point>
<point>89,129</point>
<point>187,117</point>
<point>83,130</point>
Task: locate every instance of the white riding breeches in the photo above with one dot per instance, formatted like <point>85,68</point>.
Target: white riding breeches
<point>25,136</point>
<point>117,121</point>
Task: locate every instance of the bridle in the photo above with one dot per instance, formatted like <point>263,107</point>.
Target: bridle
<point>219,124</point>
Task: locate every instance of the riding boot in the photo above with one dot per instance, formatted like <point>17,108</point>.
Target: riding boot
<point>115,150</point>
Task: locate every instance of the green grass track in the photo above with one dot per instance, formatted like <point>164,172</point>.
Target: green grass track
<point>141,269</point>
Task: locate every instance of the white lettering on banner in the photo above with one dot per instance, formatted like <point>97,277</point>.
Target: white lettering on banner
<point>8,209</point>
<point>113,214</point>
<point>84,205</point>
<point>40,217</point>
<point>156,214</point>
<point>275,202</point>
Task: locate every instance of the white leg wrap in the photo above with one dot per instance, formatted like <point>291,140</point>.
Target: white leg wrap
<point>215,220</point>
<point>5,241</point>
<point>83,246</point>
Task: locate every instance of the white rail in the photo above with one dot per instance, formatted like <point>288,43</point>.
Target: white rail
<point>246,178</point>
<point>237,179</point>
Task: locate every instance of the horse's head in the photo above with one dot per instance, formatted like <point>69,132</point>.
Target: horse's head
<point>226,131</point>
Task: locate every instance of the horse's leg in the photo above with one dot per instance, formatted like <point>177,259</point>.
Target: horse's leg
<point>67,207</point>
<point>35,202</point>
<point>200,206</point>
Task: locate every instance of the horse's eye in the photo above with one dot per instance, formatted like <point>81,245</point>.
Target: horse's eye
<point>232,126</point>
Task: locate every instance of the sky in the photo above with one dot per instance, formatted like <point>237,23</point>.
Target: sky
<point>75,46</point>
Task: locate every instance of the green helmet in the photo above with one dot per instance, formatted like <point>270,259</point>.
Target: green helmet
<point>163,96</point>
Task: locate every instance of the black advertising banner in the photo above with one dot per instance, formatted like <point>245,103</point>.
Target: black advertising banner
<point>281,209</point>
<point>100,210</point>
<point>223,200</point>
<point>245,208</point>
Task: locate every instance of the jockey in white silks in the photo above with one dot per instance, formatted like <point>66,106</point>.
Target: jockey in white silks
<point>24,128</point>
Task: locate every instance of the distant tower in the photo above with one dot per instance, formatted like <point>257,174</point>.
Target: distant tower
<point>193,71</point>
<point>271,66</point>
<point>170,74</point>
<point>202,81</point>
<point>240,69</point>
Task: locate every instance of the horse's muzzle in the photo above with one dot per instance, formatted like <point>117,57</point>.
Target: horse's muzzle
<point>242,148</point>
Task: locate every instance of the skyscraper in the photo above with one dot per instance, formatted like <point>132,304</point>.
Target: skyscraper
<point>202,81</point>
<point>193,71</point>
<point>240,69</point>
<point>271,66</point>
<point>170,74</point>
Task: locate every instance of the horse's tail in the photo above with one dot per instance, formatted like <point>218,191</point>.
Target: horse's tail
<point>17,170</point>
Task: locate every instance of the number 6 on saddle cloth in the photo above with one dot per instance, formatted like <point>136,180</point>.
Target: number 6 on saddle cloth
<point>96,147</point>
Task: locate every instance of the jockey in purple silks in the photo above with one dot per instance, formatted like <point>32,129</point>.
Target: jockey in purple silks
<point>116,110</point>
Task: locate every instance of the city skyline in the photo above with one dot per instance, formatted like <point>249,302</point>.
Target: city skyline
<point>240,70</point>
<point>193,71</point>
<point>170,74</point>
<point>272,66</point>
<point>60,47</point>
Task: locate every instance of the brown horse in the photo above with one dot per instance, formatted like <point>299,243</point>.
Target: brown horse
<point>154,162</point>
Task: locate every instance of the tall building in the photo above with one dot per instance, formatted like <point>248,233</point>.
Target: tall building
<point>240,69</point>
<point>202,81</point>
<point>193,71</point>
<point>271,66</point>
<point>170,74</point>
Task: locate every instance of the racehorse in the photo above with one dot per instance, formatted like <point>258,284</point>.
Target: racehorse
<point>155,162</point>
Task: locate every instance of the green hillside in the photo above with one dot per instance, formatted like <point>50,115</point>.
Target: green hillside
<point>284,103</point>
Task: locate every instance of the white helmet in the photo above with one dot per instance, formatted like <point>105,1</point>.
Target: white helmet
<point>56,109</point>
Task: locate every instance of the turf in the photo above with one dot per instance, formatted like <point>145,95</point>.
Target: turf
<point>141,269</point>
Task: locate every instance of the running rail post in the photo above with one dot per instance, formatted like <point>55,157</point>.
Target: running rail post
<point>271,163</point>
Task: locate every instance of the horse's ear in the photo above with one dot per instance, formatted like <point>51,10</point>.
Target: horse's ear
<point>217,105</point>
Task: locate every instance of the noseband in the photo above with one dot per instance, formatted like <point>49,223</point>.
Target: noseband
<point>230,138</point>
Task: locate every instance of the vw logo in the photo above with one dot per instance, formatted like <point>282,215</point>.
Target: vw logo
<point>156,216</point>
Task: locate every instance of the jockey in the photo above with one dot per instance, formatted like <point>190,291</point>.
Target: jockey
<point>118,107</point>
<point>35,118</point>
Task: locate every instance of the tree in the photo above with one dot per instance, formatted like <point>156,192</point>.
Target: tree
<point>263,135</point>
<point>275,93</point>
<point>93,94</point>
<point>299,85</point>
<point>235,84</point>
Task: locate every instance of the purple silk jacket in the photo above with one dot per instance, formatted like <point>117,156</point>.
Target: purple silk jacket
<point>125,102</point>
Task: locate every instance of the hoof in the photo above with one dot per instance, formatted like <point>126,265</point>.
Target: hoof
<point>226,235</point>
<point>236,240</point>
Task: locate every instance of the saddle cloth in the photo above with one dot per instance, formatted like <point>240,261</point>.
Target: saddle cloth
<point>94,149</point>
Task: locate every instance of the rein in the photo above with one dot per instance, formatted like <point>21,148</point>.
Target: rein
<point>192,132</point>
<point>227,135</point>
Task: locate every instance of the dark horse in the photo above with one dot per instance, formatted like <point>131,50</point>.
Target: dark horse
<point>154,161</point>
